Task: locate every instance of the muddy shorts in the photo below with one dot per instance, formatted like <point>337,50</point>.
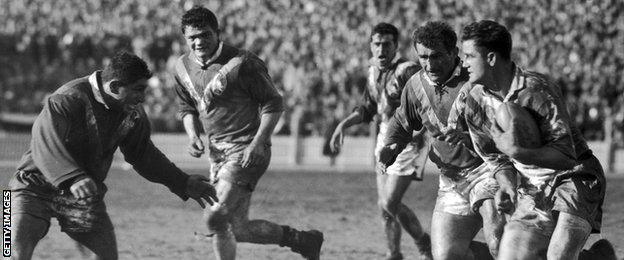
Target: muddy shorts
<point>411,161</point>
<point>226,164</point>
<point>73,215</point>
<point>578,192</point>
<point>463,196</point>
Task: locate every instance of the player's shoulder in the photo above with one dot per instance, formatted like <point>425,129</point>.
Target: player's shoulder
<point>415,81</point>
<point>538,89</point>
<point>407,67</point>
<point>69,97</point>
<point>536,81</point>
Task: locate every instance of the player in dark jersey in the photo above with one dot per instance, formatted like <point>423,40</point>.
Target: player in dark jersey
<point>387,76</point>
<point>73,141</point>
<point>562,184</point>
<point>229,92</point>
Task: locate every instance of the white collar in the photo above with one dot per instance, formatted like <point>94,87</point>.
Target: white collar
<point>95,88</point>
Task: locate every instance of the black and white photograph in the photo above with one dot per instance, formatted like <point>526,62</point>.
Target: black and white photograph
<point>302,129</point>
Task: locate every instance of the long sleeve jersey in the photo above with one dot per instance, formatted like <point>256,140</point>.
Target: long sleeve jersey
<point>229,93</point>
<point>425,104</point>
<point>543,99</point>
<point>77,133</point>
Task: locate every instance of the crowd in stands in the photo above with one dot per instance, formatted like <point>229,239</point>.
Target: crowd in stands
<point>317,51</point>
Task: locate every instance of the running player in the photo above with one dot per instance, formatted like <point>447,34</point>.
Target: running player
<point>229,91</point>
<point>562,184</point>
<point>387,76</point>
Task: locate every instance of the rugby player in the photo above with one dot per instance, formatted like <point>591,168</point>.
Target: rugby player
<point>562,184</point>
<point>467,187</point>
<point>387,76</point>
<point>229,92</point>
<point>73,140</point>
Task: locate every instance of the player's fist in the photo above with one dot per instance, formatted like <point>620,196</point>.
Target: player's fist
<point>198,188</point>
<point>84,188</point>
<point>196,147</point>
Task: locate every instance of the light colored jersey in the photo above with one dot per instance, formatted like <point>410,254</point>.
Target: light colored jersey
<point>542,98</point>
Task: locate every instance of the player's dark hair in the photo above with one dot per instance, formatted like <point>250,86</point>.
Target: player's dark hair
<point>126,68</point>
<point>489,35</point>
<point>386,28</point>
<point>198,17</point>
<point>433,33</point>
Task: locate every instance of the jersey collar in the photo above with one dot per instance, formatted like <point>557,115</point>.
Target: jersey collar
<point>96,87</point>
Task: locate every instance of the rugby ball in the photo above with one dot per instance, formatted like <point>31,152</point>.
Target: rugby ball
<point>527,132</point>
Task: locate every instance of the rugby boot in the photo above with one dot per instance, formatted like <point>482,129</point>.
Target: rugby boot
<point>424,247</point>
<point>397,256</point>
<point>601,249</point>
<point>306,243</point>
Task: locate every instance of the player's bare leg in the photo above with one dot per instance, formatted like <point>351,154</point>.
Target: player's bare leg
<point>569,237</point>
<point>395,188</point>
<point>27,230</point>
<point>451,235</point>
<point>102,244</point>
<point>493,225</point>
<point>392,227</point>
<point>255,231</point>
<point>229,222</point>
<point>219,218</point>
<point>522,242</point>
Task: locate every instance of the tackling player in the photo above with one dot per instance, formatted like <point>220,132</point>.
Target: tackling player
<point>386,78</point>
<point>73,140</point>
<point>467,187</point>
<point>562,185</point>
<point>230,92</point>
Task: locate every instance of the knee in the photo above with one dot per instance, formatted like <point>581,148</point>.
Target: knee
<point>241,232</point>
<point>492,244</point>
<point>389,206</point>
<point>447,253</point>
<point>217,220</point>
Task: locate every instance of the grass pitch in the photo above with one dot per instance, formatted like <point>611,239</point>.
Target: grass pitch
<point>151,223</point>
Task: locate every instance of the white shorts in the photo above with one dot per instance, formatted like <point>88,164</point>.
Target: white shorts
<point>411,161</point>
<point>464,196</point>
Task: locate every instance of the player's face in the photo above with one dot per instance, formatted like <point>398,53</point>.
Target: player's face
<point>475,61</point>
<point>132,94</point>
<point>383,48</point>
<point>203,41</point>
<point>437,61</point>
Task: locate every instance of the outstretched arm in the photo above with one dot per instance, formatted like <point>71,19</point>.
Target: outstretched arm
<point>337,138</point>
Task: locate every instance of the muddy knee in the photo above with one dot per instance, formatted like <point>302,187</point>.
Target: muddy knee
<point>217,220</point>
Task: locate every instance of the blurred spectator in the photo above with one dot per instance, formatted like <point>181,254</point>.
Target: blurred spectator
<point>313,49</point>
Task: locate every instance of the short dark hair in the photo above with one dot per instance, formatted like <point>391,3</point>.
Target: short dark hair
<point>198,17</point>
<point>386,28</point>
<point>489,35</point>
<point>126,68</point>
<point>435,32</point>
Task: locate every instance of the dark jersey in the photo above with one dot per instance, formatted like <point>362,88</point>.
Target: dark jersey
<point>228,94</point>
<point>77,133</point>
